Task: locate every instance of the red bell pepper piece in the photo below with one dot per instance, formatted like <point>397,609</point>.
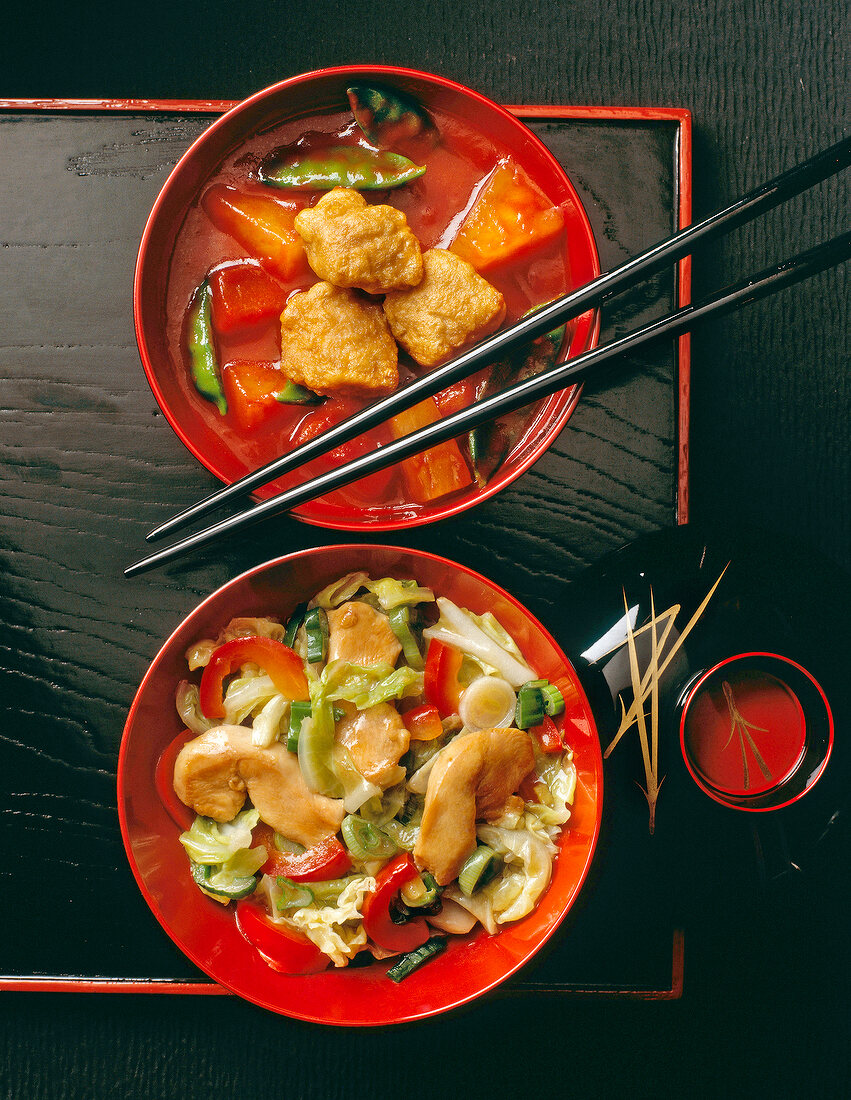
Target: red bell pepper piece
<point>548,735</point>
<point>327,859</point>
<point>278,660</point>
<point>262,225</point>
<point>373,488</point>
<point>180,814</point>
<point>509,217</point>
<point>250,390</point>
<point>283,949</point>
<point>438,471</point>
<point>244,296</point>
<point>376,908</point>
<point>440,679</point>
<point>423,723</point>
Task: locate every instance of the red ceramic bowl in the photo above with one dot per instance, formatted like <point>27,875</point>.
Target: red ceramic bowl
<point>162,286</point>
<point>206,932</point>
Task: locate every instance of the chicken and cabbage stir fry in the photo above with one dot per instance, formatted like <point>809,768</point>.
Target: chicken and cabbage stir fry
<point>381,772</point>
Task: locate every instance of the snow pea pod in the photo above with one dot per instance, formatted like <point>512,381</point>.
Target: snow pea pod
<point>386,116</point>
<point>204,362</point>
<point>338,166</point>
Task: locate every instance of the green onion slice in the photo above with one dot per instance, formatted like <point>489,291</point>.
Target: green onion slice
<point>294,895</point>
<point>553,700</point>
<point>478,869</point>
<point>415,959</point>
<point>366,841</point>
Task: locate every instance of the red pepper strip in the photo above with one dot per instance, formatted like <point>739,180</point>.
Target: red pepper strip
<point>549,737</point>
<point>440,679</point>
<point>327,859</point>
<point>164,781</point>
<point>376,908</point>
<point>275,658</point>
<point>370,489</point>
<point>284,950</point>
<point>423,723</point>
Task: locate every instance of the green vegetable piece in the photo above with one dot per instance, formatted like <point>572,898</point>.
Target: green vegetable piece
<point>316,629</point>
<point>400,622</point>
<point>407,964</point>
<point>530,706</point>
<point>553,700</point>
<point>222,884</point>
<point>339,166</point>
<point>478,869</point>
<point>427,897</point>
<point>293,623</point>
<point>204,363</point>
<point>366,841</point>
<point>299,710</point>
<point>294,895</point>
<point>294,394</point>
<point>387,116</point>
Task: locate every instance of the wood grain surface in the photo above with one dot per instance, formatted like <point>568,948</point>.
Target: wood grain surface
<point>89,464</point>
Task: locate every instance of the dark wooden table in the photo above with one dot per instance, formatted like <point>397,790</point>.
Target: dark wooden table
<point>89,464</point>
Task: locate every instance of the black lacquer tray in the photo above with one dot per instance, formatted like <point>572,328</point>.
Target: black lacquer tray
<point>89,464</point>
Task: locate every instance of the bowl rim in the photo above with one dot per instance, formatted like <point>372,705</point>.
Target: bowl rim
<point>569,397</point>
<point>124,789</point>
<point>764,802</point>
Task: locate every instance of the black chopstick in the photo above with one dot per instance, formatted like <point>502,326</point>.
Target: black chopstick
<point>783,187</point>
<point>516,396</point>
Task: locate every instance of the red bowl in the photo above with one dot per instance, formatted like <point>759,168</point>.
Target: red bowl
<point>217,445</point>
<point>206,933</point>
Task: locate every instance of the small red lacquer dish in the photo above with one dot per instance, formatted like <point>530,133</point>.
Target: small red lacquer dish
<point>756,731</point>
<point>207,933</point>
<point>172,261</point>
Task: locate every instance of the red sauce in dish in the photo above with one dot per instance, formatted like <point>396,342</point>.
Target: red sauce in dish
<point>435,205</point>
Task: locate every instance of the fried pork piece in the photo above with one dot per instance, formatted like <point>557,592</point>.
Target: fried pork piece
<point>361,635</point>
<point>377,740</point>
<point>473,778</point>
<point>336,341</point>
<point>451,307</point>
<point>351,243</point>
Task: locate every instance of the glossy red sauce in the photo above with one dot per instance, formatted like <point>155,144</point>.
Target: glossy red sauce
<point>434,204</point>
<point>747,737</point>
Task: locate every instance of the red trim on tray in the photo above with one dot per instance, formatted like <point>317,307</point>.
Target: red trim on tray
<point>108,985</point>
<point>682,118</point>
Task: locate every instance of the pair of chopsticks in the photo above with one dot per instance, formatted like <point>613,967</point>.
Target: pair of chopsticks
<point>778,190</point>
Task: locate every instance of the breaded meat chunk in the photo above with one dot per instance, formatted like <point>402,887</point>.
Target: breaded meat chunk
<point>350,243</point>
<point>451,307</point>
<point>336,341</point>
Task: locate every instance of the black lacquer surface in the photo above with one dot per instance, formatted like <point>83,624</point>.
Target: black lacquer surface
<point>764,1010</point>
<point>91,464</point>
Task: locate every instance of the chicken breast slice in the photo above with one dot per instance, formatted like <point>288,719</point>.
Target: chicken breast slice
<point>337,341</point>
<point>214,772</point>
<point>352,243</point>
<point>376,739</point>
<point>451,307</point>
<point>359,634</point>
<point>472,779</point>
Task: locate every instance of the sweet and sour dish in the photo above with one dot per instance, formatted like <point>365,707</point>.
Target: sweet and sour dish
<point>338,257</point>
